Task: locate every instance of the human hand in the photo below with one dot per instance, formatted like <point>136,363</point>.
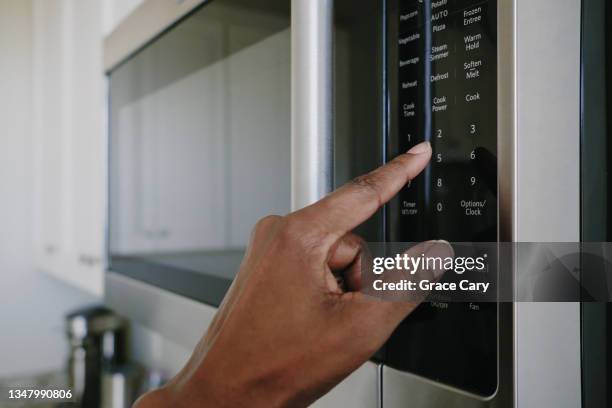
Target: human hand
<point>286,332</point>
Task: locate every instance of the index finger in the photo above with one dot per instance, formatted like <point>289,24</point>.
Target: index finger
<point>356,201</point>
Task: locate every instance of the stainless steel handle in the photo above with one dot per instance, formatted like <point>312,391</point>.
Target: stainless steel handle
<point>311,101</point>
<point>156,233</point>
<point>50,249</point>
<point>89,260</point>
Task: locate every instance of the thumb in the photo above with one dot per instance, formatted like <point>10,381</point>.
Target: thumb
<point>382,312</point>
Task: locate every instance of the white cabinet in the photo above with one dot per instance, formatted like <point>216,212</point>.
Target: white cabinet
<point>169,153</point>
<point>69,133</point>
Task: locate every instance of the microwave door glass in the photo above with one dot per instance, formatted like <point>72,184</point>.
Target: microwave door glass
<point>200,146</point>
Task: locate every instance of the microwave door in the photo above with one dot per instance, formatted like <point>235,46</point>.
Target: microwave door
<point>199,150</point>
<point>338,116</point>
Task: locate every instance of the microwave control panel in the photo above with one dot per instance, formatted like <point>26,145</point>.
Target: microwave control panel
<point>442,63</point>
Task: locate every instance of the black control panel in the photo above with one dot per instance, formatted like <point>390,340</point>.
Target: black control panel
<point>443,88</point>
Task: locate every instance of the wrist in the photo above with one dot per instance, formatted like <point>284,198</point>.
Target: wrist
<point>217,390</point>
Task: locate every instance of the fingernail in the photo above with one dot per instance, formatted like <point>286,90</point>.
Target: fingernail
<point>440,249</point>
<point>421,148</point>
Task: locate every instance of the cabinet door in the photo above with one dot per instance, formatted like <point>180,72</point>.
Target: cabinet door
<point>86,177</point>
<point>51,137</point>
<point>69,131</point>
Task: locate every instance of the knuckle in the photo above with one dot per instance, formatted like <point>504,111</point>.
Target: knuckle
<point>291,229</point>
<point>357,240</point>
<point>299,234</point>
<point>266,222</point>
<point>368,185</point>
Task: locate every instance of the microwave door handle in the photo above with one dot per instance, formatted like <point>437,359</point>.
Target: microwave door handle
<point>311,101</point>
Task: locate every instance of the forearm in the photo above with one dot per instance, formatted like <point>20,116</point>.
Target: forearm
<point>203,393</point>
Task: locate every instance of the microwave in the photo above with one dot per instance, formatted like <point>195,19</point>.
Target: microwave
<point>224,111</point>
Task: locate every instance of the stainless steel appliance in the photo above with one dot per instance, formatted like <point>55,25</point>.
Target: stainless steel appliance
<point>226,110</point>
<point>97,339</point>
<point>121,386</point>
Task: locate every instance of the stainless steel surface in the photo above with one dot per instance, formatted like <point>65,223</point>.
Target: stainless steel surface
<point>96,338</point>
<point>538,139</point>
<point>311,101</point>
<point>175,317</point>
<point>507,119</point>
<point>359,390</point>
<point>403,390</point>
<point>141,26</point>
<point>121,386</point>
<point>547,336</point>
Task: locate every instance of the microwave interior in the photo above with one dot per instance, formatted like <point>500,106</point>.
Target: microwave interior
<point>200,149</point>
<point>200,146</point>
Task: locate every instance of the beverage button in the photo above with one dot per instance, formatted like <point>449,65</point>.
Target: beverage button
<point>409,61</point>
